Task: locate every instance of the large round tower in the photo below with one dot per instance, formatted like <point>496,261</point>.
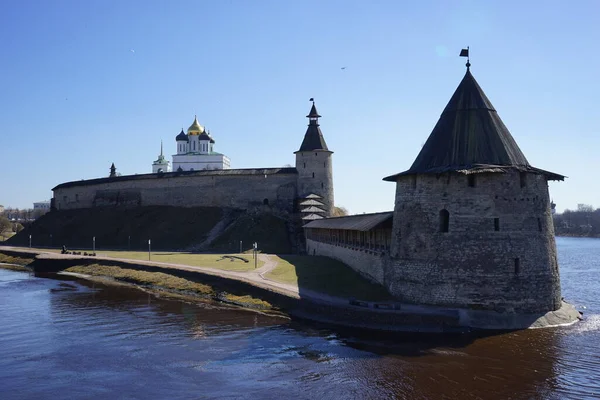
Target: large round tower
<point>472,221</point>
<point>313,162</point>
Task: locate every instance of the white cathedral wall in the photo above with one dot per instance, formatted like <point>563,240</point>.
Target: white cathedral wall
<point>199,162</point>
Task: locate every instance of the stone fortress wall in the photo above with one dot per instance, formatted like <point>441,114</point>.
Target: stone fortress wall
<point>241,188</point>
<point>496,252</point>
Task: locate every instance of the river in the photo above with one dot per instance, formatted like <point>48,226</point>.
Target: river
<point>64,338</point>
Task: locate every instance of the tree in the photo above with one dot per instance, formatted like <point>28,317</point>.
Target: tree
<point>340,211</point>
<point>5,227</point>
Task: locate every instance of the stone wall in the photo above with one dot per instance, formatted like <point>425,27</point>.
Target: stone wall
<point>368,264</point>
<point>473,265</point>
<point>226,188</point>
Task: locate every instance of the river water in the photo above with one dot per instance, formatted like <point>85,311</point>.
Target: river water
<point>63,338</point>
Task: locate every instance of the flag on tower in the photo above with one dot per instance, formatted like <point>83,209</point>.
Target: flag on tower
<point>464,52</point>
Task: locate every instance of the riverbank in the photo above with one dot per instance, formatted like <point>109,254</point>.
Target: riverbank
<point>251,288</point>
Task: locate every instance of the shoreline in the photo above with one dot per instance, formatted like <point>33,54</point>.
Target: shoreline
<point>306,305</point>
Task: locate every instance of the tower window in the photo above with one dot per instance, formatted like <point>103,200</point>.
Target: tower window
<point>496,224</point>
<point>266,202</point>
<point>523,179</point>
<point>324,164</point>
<point>304,165</point>
<point>471,180</point>
<point>315,154</point>
<point>539,224</point>
<point>321,185</point>
<point>313,174</point>
<point>444,220</point>
<point>414,181</point>
<point>517,265</point>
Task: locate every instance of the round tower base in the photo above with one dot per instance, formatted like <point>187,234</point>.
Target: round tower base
<point>478,319</point>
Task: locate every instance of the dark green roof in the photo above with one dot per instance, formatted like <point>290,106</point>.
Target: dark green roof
<point>470,137</point>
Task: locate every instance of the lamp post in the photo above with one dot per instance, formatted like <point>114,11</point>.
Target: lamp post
<point>94,244</point>
<point>149,243</point>
<point>255,246</point>
<point>29,241</point>
<point>240,247</point>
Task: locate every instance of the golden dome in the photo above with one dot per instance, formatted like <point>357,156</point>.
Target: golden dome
<point>195,128</point>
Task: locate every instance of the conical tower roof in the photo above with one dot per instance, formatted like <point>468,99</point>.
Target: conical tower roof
<point>313,138</point>
<point>470,137</point>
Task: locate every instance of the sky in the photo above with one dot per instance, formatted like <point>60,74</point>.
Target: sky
<point>84,84</point>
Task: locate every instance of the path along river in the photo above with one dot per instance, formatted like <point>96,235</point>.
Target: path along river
<point>65,338</point>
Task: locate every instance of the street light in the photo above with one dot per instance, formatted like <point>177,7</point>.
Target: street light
<point>149,249</point>
<point>29,241</point>
<point>94,244</point>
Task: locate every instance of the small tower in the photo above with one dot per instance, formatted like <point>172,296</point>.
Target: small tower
<point>205,143</point>
<point>472,224</point>
<point>194,132</point>
<point>313,162</point>
<point>161,164</point>
<point>113,171</point>
<point>182,142</point>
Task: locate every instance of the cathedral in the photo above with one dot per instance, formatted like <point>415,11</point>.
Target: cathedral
<point>194,152</point>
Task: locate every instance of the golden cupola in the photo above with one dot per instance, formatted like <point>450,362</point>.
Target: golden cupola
<point>195,128</point>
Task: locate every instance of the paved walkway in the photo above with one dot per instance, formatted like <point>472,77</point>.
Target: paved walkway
<point>256,277</point>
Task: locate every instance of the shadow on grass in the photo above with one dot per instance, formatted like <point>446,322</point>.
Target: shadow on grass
<point>328,276</point>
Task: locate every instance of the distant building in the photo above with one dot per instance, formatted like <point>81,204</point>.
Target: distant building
<point>1,209</point>
<point>201,177</point>
<point>194,152</point>
<point>161,164</point>
<point>42,205</point>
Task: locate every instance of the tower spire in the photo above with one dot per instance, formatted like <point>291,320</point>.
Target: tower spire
<point>465,53</point>
<point>313,116</point>
<point>161,147</point>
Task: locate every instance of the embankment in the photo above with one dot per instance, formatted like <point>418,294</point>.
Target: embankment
<point>169,228</point>
<point>235,288</point>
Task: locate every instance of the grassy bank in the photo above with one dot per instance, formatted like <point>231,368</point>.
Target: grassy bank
<point>160,281</point>
<point>227,262</point>
<point>9,259</point>
<point>326,275</point>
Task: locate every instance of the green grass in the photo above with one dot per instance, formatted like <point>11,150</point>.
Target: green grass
<point>4,258</point>
<point>326,275</point>
<point>162,281</point>
<point>143,277</point>
<point>217,261</point>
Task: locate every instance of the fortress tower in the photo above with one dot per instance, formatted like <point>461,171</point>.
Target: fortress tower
<point>313,162</point>
<point>472,223</point>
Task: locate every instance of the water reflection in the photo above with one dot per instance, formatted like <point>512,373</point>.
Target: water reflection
<point>66,338</point>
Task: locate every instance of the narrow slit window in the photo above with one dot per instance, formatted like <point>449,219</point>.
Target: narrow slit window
<point>496,224</point>
<point>517,266</point>
<point>444,220</point>
<point>313,174</point>
<point>414,181</point>
<point>523,179</point>
<point>471,180</point>
<point>539,224</point>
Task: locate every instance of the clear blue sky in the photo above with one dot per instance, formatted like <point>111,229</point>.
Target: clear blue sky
<point>87,83</point>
